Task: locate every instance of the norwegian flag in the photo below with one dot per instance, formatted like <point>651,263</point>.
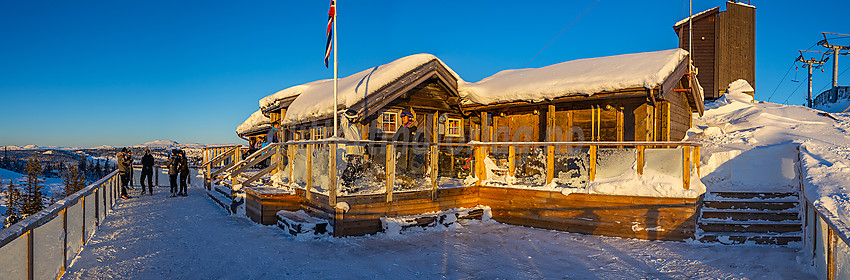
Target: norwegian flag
<point>331,18</point>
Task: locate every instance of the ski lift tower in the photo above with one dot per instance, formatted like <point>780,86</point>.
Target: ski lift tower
<point>811,63</point>
<point>835,52</point>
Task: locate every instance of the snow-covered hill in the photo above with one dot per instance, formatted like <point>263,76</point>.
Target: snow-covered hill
<point>753,146</point>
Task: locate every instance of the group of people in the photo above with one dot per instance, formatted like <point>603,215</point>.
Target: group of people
<point>178,167</point>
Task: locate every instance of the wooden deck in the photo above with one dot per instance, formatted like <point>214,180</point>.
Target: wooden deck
<point>651,218</point>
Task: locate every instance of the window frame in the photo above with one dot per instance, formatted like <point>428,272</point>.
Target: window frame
<point>395,120</point>
<point>449,127</point>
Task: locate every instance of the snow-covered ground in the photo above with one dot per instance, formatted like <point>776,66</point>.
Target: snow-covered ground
<point>156,237</point>
<point>752,146</point>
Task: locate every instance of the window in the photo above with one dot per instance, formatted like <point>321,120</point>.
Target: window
<point>389,122</point>
<point>453,127</point>
<point>318,133</point>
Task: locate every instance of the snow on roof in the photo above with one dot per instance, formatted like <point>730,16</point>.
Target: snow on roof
<point>583,76</point>
<point>255,122</point>
<point>685,20</point>
<point>272,99</point>
<point>316,98</point>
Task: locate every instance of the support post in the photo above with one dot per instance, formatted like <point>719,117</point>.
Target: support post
<point>96,208</point>
<point>83,226</point>
<point>156,176</point>
<point>550,149</point>
<point>480,169</point>
<point>435,155</point>
<point>390,170</point>
<point>280,153</point>
<point>640,160</point>
<point>697,160</point>
<point>290,150</point>
<point>511,160</point>
<point>686,167</point>
<point>592,164</point>
<point>65,240</point>
<point>30,256</point>
<point>309,169</point>
<point>332,172</point>
<point>830,254</point>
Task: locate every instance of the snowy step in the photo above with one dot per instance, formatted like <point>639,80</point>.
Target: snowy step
<point>220,199</point>
<point>749,214</point>
<point>299,222</point>
<point>757,205</point>
<point>730,238</point>
<point>750,226</point>
<point>727,196</point>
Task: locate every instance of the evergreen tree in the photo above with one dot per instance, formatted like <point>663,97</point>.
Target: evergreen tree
<point>33,198</point>
<point>13,201</point>
<point>72,181</point>
<point>98,171</point>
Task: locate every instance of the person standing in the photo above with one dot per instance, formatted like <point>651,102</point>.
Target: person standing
<point>125,165</point>
<point>184,173</point>
<point>147,171</point>
<point>173,168</point>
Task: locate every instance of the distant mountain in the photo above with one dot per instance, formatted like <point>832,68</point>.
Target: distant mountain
<point>170,144</point>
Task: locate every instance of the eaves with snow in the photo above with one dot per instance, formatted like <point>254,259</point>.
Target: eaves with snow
<point>256,123</point>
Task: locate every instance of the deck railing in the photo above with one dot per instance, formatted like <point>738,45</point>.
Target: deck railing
<point>825,236</point>
<point>417,166</point>
<point>43,245</point>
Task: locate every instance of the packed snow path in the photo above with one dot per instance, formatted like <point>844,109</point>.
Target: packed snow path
<point>157,237</point>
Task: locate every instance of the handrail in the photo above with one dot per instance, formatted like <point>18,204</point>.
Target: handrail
<point>222,156</point>
<point>43,216</point>
<point>251,157</point>
<point>482,143</point>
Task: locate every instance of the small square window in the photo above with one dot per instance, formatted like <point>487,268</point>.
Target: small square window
<point>318,133</point>
<point>389,122</point>
<point>453,127</point>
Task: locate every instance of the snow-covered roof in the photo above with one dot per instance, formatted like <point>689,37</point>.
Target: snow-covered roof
<point>695,16</point>
<point>316,99</point>
<point>271,100</point>
<point>583,76</point>
<point>257,121</point>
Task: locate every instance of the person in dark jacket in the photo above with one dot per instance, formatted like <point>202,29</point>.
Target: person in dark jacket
<point>147,171</point>
<point>173,169</point>
<point>125,166</point>
<point>411,159</point>
<point>184,173</point>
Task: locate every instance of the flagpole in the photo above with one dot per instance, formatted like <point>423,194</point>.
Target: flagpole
<point>336,84</point>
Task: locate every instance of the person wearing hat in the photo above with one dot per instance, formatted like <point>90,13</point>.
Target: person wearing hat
<point>353,152</point>
<point>125,165</point>
<point>184,173</point>
<point>173,169</point>
<point>147,171</point>
<point>409,161</point>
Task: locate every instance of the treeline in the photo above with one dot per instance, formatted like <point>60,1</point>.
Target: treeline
<point>29,198</point>
<point>91,170</point>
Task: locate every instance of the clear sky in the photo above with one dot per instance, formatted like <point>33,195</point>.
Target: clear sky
<point>90,73</point>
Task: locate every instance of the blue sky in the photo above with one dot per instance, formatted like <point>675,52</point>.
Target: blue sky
<point>91,73</point>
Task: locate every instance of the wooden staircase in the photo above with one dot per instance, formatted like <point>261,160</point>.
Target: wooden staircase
<point>750,218</point>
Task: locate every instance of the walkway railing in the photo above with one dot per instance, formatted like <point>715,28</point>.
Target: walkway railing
<point>43,245</point>
<point>363,167</point>
<point>826,237</point>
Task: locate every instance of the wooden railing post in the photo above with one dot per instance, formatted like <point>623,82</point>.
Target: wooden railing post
<point>30,256</point>
<point>480,168</point>
<point>591,170</point>
<point>640,159</point>
<point>550,163</point>
<point>280,156</point>
<point>290,149</point>
<point>309,169</point>
<point>435,153</point>
<point>697,160</point>
<point>511,160</point>
<point>830,254</point>
<point>686,167</point>
<point>390,170</point>
<point>332,172</point>
<point>65,240</point>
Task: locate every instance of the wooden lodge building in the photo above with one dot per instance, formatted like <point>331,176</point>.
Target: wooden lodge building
<point>651,99</point>
<point>724,47</point>
<point>632,97</point>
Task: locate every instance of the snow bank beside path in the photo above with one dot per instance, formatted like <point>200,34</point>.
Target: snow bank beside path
<point>752,146</point>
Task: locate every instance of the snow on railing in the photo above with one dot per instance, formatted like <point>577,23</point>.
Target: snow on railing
<point>826,237</point>
<point>362,167</point>
<point>43,245</point>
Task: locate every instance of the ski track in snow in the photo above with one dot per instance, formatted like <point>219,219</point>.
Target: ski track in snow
<point>156,237</point>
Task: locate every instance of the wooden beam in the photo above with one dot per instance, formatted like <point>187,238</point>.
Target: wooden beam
<point>309,169</point>
<point>65,240</point>
<point>390,170</point>
<point>640,159</point>
<point>550,150</point>
<point>290,151</point>
<point>697,160</point>
<point>434,153</point>
<point>592,164</point>
<point>30,256</point>
<point>332,175</point>
<point>830,254</point>
<point>686,167</point>
<point>511,160</point>
<point>480,169</point>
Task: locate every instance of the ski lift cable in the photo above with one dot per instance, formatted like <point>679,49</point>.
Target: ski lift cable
<point>830,84</point>
<point>793,64</point>
<point>792,93</point>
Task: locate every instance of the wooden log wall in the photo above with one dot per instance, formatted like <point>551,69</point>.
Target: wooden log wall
<point>668,219</point>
